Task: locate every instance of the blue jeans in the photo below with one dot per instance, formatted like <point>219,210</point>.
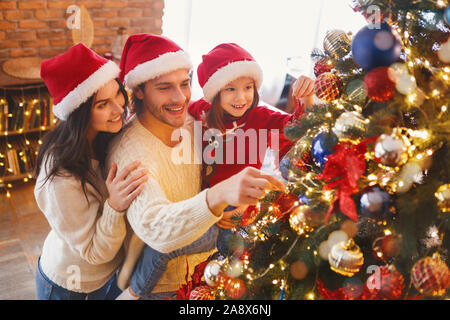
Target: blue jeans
<point>152,264</point>
<point>48,290</point>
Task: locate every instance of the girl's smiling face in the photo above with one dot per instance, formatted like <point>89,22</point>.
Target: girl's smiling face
<point>237,96</point>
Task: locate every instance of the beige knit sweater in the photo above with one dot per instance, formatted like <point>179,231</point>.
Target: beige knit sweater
<point>82,250</point>
<point>170,212</point>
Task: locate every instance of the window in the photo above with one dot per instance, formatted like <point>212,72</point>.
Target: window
<point>272,31</point>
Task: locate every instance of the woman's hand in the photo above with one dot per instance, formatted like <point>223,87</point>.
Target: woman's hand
<point>303,90</point>
<point>123,187</point>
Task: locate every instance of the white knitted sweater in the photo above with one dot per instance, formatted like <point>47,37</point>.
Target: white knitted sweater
<point>170,212</point>
<point>82,250</point>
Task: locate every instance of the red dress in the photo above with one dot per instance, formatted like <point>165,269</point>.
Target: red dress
<point>245,142</point>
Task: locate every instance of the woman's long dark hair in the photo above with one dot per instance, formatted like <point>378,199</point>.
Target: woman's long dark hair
<point>67,146</point>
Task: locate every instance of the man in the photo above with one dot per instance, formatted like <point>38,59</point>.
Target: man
<point>171,212</point>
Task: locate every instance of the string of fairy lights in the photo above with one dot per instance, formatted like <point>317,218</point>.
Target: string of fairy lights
<point>30,136</point>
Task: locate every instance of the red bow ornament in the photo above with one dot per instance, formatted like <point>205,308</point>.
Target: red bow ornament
<point>342,171</point>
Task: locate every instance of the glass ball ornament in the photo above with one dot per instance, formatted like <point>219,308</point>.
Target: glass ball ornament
<point>386,283</point>
<point>298,270</point>
<point>387,247</point>
<point>284,204</point>
<point>392,150</point>
<point>355,91</point>
<point>328,87</point>
<point>398,68</point>
<point>443,197</point>
<point>336,237</point>
<point>202,293</point>
<point>212,273</point>
<point>375,203</point>
<point>374,47</point>
<point>321,66</point>
<point>285,170</point>
<point>298,220</point>
<point>337,43</point>
<point>406,84</point>
<point>346,258</point>
<point>249,216</point>
<point>322,146</point>
<point>430,276</point>
<point>444,52</point>
<point>232,242</point>
<point>234,268</point>
<point>350,228</point>
<point>350,125</point>
<point>378,84</point>
<point>235,288</point>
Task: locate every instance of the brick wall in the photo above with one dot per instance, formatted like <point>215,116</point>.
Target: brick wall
<point>37,28</point>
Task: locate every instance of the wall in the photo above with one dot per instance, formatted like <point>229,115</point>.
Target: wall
<point>38,28</point>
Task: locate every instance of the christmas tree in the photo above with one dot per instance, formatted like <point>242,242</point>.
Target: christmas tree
<point>366,213</point>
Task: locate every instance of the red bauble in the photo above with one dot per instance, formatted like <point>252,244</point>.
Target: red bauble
<point>328,87</point>
<point>322,66</point>
<point>386,247</point>
<point>283,204</point>
<point>202,293</point>
<point>378,84</point>
<point>430,276</point>
<point>249,216</point>
<point>350,291</point>
<point>386,283</point>
<point>235,288</point>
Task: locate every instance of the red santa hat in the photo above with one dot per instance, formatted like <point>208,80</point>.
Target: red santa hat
<point>147,56</point>
<point>223,64</point>
<point>74,76</point>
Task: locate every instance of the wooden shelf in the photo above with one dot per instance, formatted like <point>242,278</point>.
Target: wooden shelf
<point>18,132</point>
<point>16,177</point>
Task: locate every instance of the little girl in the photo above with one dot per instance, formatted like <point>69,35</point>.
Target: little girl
<point>230,78</point>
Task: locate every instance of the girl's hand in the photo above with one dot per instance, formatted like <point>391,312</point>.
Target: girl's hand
<point>303,90</point>
<point>123,187</point>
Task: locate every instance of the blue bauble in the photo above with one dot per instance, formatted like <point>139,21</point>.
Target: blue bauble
<point>230,243</point>
<point>447,15</point>
<point>322,146</point>
<point>303,199</point>
<point>375,203</point>
<point>284,167</point>
<point>372,48</point>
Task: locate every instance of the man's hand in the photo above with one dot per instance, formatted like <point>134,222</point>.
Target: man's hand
<point>244,188</point>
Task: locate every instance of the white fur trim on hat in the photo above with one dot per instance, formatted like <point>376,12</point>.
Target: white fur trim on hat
<point>165,63</point>
<point>86,89</point>
<point>230,72</point>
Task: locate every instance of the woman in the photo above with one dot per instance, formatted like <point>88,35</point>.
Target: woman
<point>86,214</point>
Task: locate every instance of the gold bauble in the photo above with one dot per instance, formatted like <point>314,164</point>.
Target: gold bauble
<point>443,197</point>
<point>346,258</point>
<point>299,220</point>
<point>350,125</point>
<point>431,276</point>
<point>337,43</point>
